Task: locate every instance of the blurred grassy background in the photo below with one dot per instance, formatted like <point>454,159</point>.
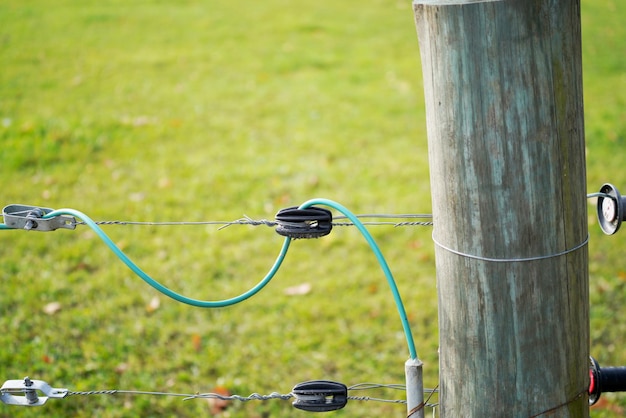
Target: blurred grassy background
<point>208,110</point>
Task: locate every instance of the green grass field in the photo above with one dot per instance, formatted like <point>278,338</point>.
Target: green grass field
<point>211,110</point>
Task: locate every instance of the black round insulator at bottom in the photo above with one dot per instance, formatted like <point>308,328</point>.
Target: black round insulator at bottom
<point>605,379</point>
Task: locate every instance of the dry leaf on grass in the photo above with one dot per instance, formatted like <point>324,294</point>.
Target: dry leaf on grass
<point>218,406</point>
<point>301,289</point>
<point>196,341</point>
<point>52,308</point>
<point>154,304</point>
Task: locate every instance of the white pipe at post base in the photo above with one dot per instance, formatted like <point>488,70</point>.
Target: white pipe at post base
<point>414,388</point>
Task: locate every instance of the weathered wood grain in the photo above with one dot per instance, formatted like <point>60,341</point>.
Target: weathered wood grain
<point>503,90</point>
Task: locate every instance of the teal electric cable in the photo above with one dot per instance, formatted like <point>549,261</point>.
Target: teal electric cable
<point>160,287</point>
<point>227,302</point>
<point>381,261</point>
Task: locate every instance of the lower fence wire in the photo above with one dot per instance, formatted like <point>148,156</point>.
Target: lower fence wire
<point>9,394</point>
<point>271,396</point>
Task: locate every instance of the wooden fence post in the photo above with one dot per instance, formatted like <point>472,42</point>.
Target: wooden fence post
<point>504,108</point>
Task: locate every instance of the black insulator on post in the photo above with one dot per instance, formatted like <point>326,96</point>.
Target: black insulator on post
<point>605,379</point>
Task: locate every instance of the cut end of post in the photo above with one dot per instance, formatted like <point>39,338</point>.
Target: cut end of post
<point>450,2</point>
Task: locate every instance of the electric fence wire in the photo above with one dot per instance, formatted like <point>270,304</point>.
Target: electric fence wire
<point>251,397</point>
<point>259,397</point>
<point>24,393</point>
<point>246,220</point>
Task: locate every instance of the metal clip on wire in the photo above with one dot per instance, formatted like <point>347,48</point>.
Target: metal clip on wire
<point>297,223</point>
<point>29,388</point>
<point>320,396</point>
<point>32,218</point>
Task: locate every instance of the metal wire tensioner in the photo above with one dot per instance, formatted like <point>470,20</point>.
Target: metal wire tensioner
<point>29,390</point>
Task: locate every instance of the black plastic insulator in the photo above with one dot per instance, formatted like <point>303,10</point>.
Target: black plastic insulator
<point>320,396</point>
<point>297,223</point>
<point>605,379</point>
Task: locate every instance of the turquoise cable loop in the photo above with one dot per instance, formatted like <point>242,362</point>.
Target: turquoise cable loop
<point>272,272</point>
<point>160,287</point>
<point>381,260</point>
